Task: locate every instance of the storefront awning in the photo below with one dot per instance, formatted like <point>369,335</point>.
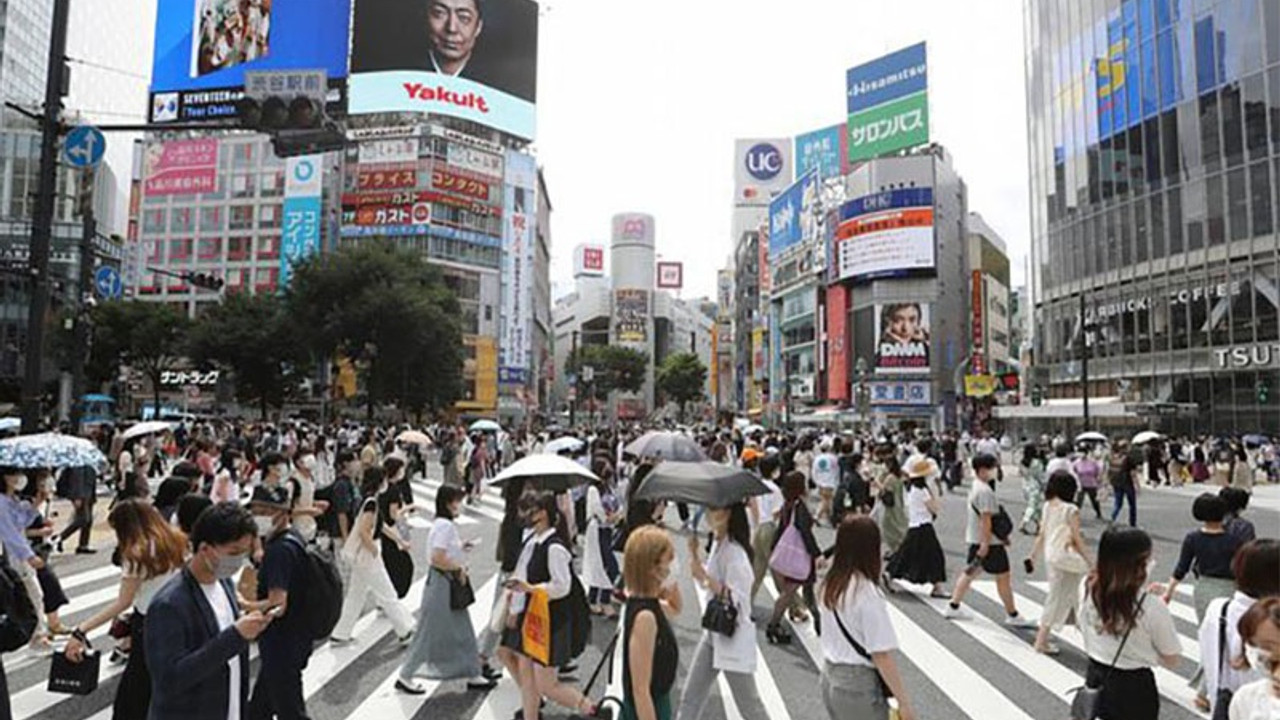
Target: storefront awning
<point>1100,407</point>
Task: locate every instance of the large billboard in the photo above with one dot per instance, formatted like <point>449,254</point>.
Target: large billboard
<point>902,338</point>
<point>888,104</point>
<point>791,218</point>
<point>761,168</point>
<point>885,234</point>
<point>300,234</point>
<point>181,167</point>
<point>631,316</point>
<point>519,226</point>
<point>827,150</point>
<point>471,59</point>
<point>204,47</point>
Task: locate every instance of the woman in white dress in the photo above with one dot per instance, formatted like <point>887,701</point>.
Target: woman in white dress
<point>1065,560</point>
<point>599,565</point>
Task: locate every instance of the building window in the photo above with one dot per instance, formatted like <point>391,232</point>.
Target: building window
<point>268,248</point>
<point>242,186</point>
<point>242,154</point>
<point>153,221</point>
<point>179,249</point>
<point>181,220</point>
<point>266,280</point>
<point>242,217</point>
<point>211,219</point>
<point>210,249</point>
<point>272,183</point>
<point>239,248</point>
<point>1261,195</point>
<point>269,217</point>
<point>156,252</point>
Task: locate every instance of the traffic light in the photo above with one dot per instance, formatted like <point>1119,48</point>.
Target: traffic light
<point>1037,395</point>
<point>204,281</point>
<point>277,112</point>
<point>1264,392</point>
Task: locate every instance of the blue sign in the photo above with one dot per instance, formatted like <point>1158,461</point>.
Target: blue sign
<point>789,214</point>
<point>764,162</point>
<point>107,282</point>
<point>888,200</point>
<point>303,213</point>
<point>825,149</point>
<point>901,393</point>
<point>887,78</point>
<point>84,147</point>
<point>200,61</point>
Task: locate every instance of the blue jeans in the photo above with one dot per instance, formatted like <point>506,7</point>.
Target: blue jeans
<point>1121,493</point>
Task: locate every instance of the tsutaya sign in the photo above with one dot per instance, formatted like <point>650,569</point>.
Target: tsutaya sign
<point>1247,356</point>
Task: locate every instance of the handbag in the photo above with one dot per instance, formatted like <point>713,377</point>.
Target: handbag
<point>789,558</point>
<point>721,615</point>
<point>71,678</point>
<point>461,595</point>
<point>884,686</point>
<point>1222,700</point>
<point>1084,706</point>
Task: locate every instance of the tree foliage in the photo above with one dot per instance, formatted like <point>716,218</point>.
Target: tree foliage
<point>681,377</point>
<point>147,336</point>
<point>389,311</point>
<point>253,338</point>
<point>615,368</point>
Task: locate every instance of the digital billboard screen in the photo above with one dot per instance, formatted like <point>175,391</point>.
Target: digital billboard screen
<point>204,47</point>
<point>471,59</point>
<point>886,234</point>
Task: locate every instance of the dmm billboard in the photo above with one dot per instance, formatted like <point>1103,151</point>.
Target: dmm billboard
<point>888,104</point>
<point>204,47</point>
<point>471,59</point>
<point>902,344</point>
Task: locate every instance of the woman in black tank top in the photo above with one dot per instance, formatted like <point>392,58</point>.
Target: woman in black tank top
<point>650,655</point>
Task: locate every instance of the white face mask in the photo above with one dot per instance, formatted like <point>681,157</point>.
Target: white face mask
<point>21,483</point>
<point>265,524</point>
<point>1257,658</point>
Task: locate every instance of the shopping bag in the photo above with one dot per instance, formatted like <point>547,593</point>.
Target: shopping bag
<point>536,631</point>
<point>789,558</point>
<point>74,678</point>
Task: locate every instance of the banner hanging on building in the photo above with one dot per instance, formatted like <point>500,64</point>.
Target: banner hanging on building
<point>902,344</point>
<point>631,316</point>
<point>519,229</point>
<point>300,231</point>
<point>471,59</point>
<point>204,47</point>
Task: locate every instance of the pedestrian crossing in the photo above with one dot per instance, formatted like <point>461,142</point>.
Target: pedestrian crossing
<point>974,668</point>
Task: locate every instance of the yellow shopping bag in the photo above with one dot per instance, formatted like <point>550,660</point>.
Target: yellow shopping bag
<point>536,631</point>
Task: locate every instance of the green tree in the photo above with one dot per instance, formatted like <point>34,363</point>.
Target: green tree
<point>614,368</point>
<point>252,337</point>
<point>681,377</point>
<point>147,336</point>
<point>390,311</point>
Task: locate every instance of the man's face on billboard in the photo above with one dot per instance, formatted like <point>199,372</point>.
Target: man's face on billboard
<point>904,324</point>
<point>455,25</point>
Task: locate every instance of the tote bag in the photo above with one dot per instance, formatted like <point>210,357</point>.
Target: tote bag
<point>536,631</point>
<point>789,558</point>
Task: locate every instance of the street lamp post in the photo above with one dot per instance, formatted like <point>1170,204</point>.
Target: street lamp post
<point>1086,333</point>
<point>863,397</point>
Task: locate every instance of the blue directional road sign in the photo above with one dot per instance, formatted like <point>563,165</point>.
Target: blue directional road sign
<point>107,282</point>
<point>84,147</point>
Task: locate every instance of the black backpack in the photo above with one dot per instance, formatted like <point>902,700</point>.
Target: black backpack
<point>17,613</point>
<point>321,605</point>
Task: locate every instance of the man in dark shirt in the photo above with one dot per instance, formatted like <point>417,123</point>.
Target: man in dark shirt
<point>341,495</point>
<point>285,646</point>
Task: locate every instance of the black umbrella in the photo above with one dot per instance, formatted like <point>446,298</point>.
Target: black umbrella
<point>704,483</point>
<point>666,445</point>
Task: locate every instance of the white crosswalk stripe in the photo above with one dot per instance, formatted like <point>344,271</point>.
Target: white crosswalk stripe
<point>363,673</point>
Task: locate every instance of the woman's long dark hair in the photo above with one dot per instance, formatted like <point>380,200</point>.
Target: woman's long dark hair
<point>740,529</point>
<point>545,501</point>
<point>856,559</point>
<point>1116,583</point>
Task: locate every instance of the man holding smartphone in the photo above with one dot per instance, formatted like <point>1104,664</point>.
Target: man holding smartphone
<point>987,550</point>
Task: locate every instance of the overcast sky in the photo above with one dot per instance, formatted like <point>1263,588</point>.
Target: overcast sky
<point>639,104</point>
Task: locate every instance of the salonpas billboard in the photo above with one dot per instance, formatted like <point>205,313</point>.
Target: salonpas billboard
<point>888,104</point>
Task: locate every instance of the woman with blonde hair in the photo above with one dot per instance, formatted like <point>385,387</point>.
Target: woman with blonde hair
<point>151,552</point>
<point>650,654</point>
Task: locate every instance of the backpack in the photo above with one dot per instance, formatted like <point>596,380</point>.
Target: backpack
<point>17,613</point>
<point>321,604</point>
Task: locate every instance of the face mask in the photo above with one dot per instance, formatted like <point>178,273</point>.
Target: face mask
<point>265,525</point>
<point>21,484</point>
<point>228,565</point>
<point>1257,658</point>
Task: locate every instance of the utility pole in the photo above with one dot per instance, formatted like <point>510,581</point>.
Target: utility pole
<point>573,363</point>
<point>42,222</point>
<point>1085,329</point>
<point>84,288</point>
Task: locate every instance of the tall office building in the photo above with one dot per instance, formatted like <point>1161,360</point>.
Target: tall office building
<point>1154,131</point>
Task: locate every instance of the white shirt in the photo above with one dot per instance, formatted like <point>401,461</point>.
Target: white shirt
<point>1255,702</point>
<point>558,565</point>
<point>826,470</point>
<point>771,504</point>
<point>444,536</point>
<point>1153,635</point>
<point>865,615</point>
<point>1209,660</point>
<point>1057,464</point>
<point>729,565</point>
<point>226,616</point>
<point>148,588</point>
<point>917,508</point>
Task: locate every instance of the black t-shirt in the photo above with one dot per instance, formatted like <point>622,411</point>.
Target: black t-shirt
<point>284,567</point>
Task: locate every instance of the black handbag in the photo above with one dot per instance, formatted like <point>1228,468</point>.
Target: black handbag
<point>1222,700</point>
<point>1084,706</point>
<point>721,615</point>
<point>461,595</point>
<point>71,678</point>
<point>857,647</point>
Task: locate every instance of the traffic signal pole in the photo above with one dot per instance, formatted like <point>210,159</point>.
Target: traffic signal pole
<point>42,221</point>
<point>80,344</point>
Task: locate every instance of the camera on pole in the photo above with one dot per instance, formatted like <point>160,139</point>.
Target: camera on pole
<point>290,107</point>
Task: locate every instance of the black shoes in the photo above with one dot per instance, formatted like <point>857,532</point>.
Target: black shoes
<point>777,635</point>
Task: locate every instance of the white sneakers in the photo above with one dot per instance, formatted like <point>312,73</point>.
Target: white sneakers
<point>955,613</point>
<point>1018,621</point>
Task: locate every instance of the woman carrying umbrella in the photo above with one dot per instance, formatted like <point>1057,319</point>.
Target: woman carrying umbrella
<point>599,565</point>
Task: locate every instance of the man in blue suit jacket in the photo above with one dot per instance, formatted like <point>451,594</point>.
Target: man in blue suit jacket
<point>197,640</point>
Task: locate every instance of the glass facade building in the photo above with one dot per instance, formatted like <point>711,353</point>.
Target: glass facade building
<point>1154,131</point>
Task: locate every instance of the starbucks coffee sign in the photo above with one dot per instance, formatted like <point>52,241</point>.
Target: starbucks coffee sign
<point>1247,356</point>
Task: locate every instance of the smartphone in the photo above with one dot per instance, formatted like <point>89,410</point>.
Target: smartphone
<point>275,611</point>
<point>1029,566</point>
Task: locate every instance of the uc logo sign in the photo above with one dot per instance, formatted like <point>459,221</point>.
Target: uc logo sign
<point>764,162</point>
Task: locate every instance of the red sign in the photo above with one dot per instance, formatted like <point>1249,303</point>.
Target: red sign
<point>593,259</point>
<point>450,182</point>
<point>979,362</point>
<point>354,201</point>
<point>837,353</point>
<point>418,213</point>
<point>183,167</point>
<point>390,177</point>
